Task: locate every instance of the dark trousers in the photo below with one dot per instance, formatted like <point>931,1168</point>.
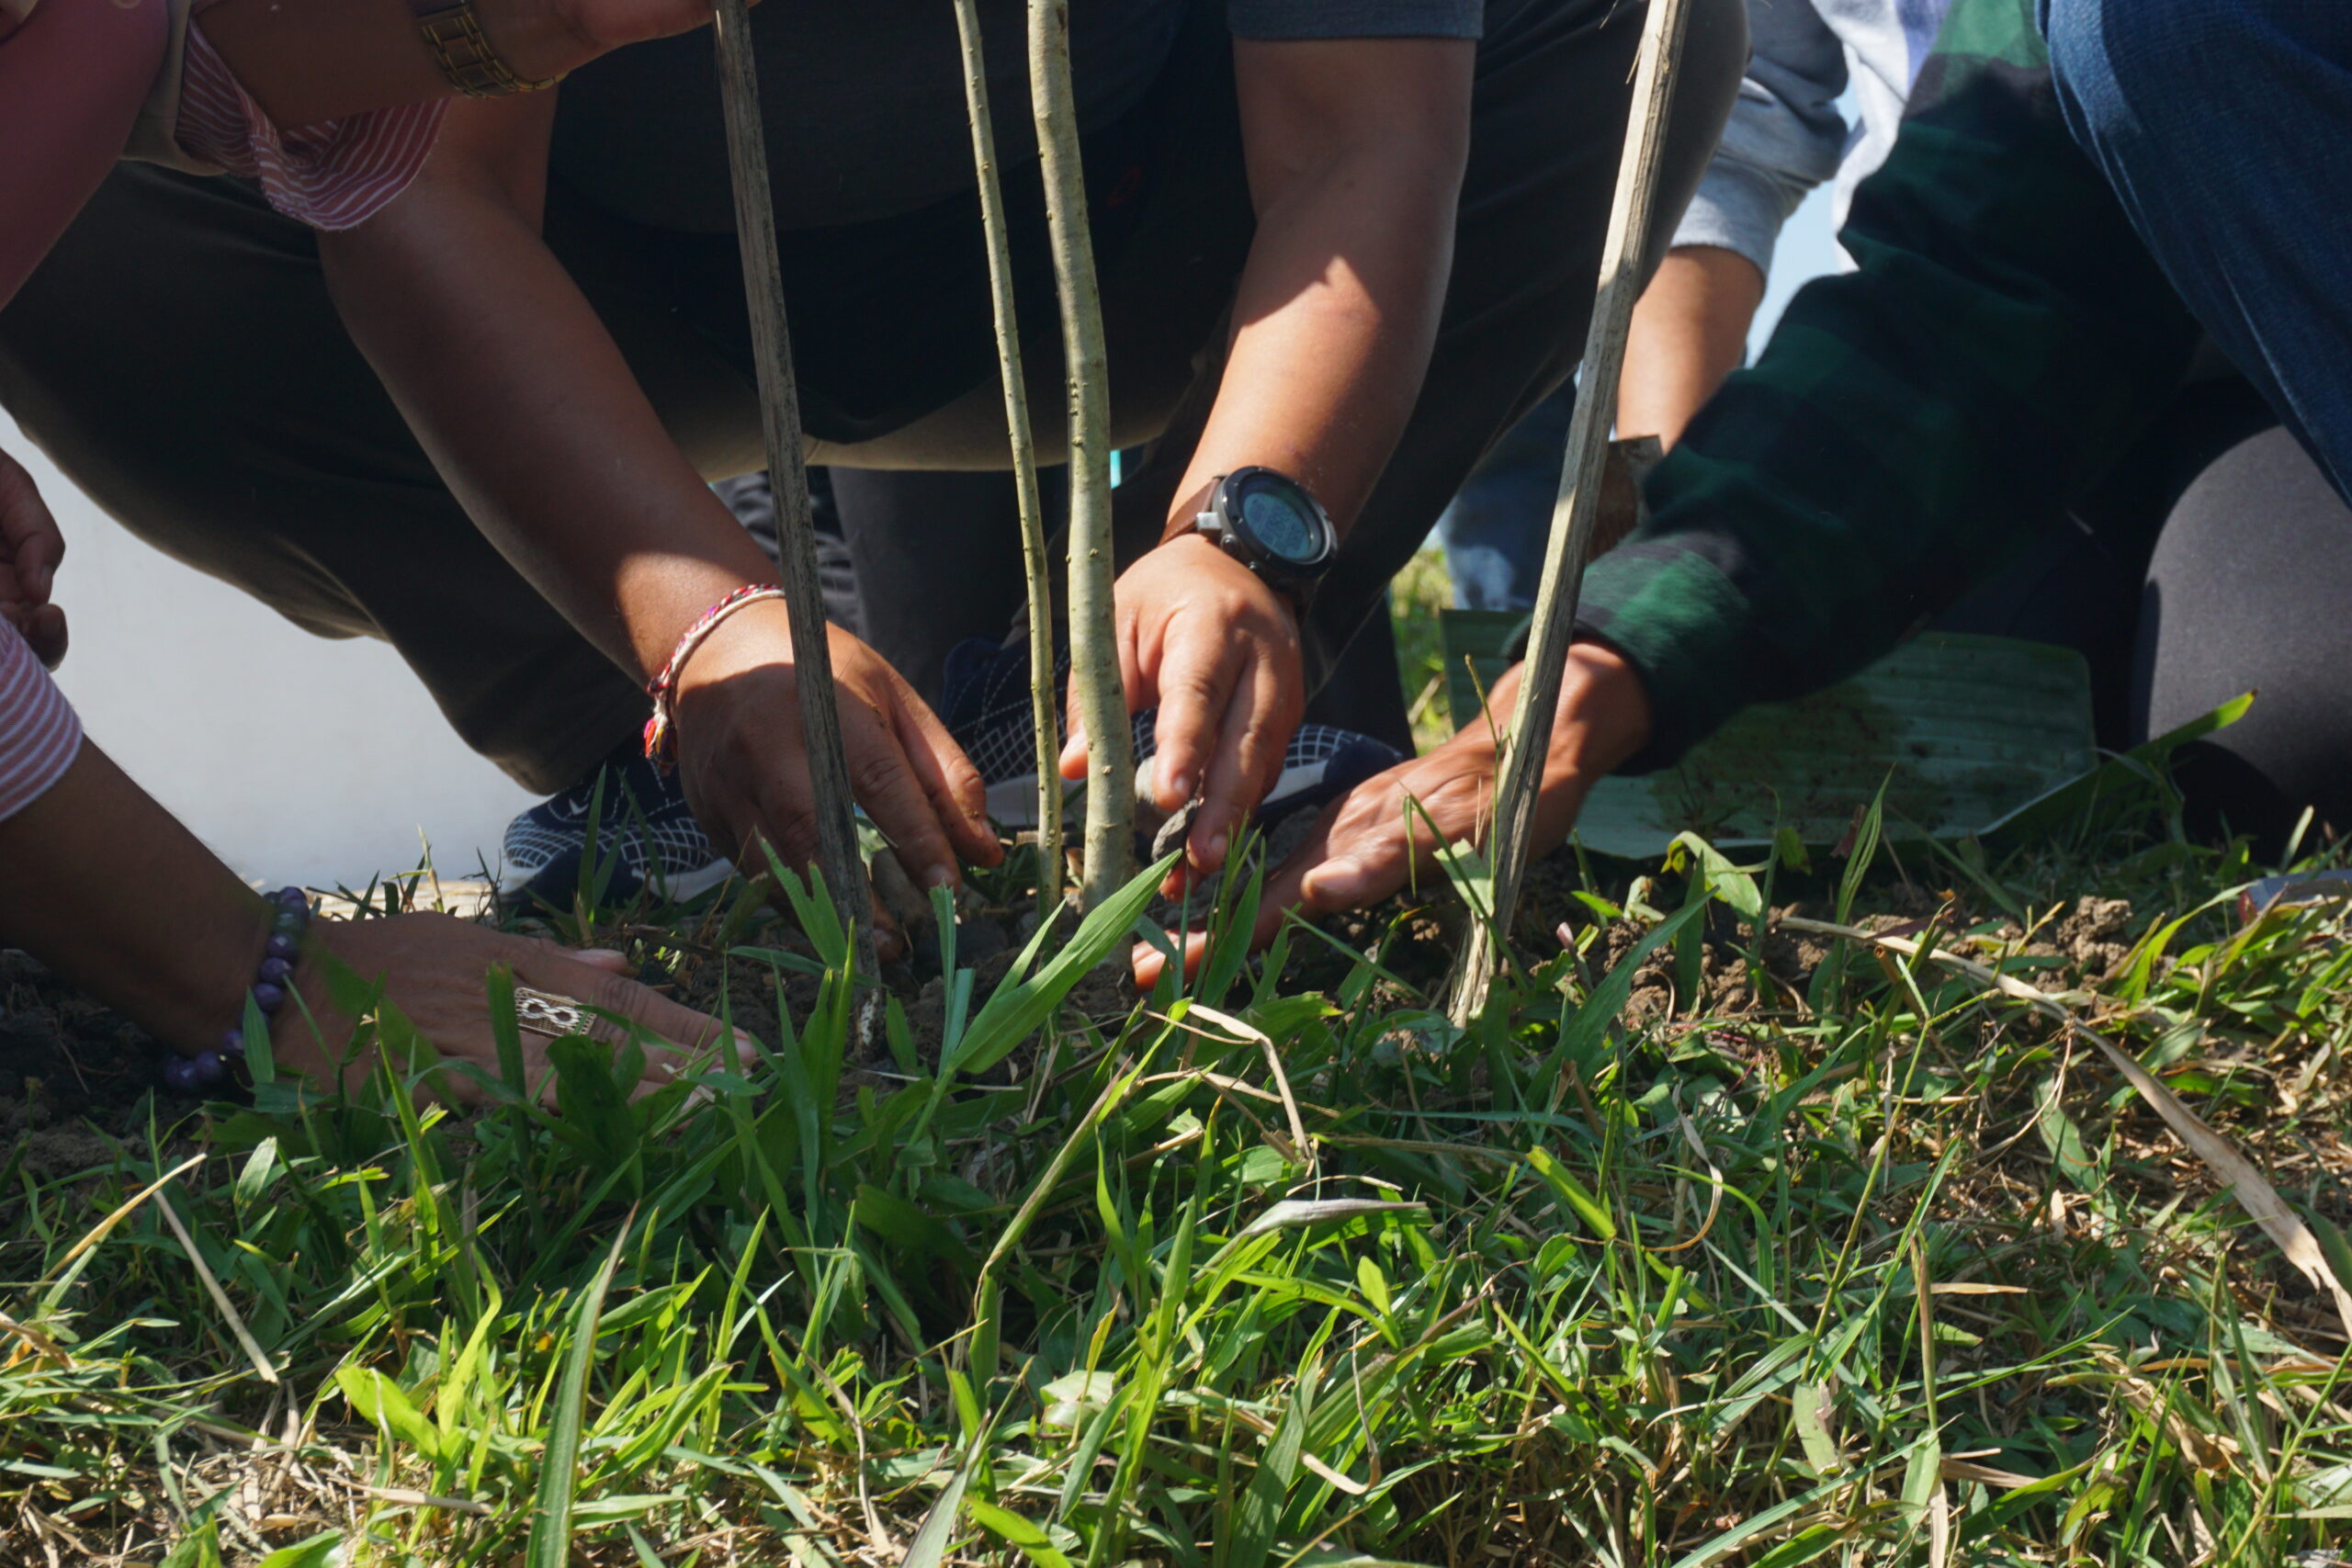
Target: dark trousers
<point>179,357</point>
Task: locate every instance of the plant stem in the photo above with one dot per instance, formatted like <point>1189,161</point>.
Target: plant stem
<point>1093,633</point>
<point>1024,459</point>
<point>1579,504</point>
<point>747,160</point>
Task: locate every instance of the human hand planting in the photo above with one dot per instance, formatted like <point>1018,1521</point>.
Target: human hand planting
<point>1207,639</point>
<point>744,761</point>
<point>1385,832</point>
<point>31,549</point>
<point>435,969</point>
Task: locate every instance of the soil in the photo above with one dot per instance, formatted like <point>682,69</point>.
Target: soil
<point>76,1079</point>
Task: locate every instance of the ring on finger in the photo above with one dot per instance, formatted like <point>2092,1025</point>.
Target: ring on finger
<point>544,1012</point>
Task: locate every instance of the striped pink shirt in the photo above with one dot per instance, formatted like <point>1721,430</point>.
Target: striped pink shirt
<point>39,734</point>
<point>336,175</point>
<point>71,75</point>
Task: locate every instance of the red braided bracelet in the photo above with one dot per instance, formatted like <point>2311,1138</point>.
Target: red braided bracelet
<point>661,729</point>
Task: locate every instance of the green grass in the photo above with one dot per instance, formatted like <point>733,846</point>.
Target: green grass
<point>1773,1256</point>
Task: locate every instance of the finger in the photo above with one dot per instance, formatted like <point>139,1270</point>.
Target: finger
<point>959,794</point>
<point>1259,721</point>
<point>1149,963</point>
<point>1195,681</point>
<point>884,780</point>
<point>604,958</point>
<point>686,1039</point>
<point>44,628</point>
<point>34,544</point>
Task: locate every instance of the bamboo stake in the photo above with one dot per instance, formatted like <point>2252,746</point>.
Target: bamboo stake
<point>1025,460</point>
<point>747,161</point>
<point>1094,634</point>
<point>1579,504</point>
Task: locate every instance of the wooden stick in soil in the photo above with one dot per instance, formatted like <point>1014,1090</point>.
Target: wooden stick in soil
<point>1025,460</point>
<point>747,161</point>
<point>1579,504</point>
<point>1093,633</point>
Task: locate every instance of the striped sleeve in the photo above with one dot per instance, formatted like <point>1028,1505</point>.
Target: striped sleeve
<point>334,175</point>
<point>40,736</point>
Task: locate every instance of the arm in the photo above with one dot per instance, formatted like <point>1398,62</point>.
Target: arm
<point>1688,332</point>
<point>1355,150</point>
<point>530,414</point>
<point>111,892</point>
<point>1785,137</point>
<point>1909,427</point>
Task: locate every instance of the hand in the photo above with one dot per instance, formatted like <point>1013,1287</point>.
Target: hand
<point>1207,639</point>
<point>434,970</point>
<point>745,762</point>
<point>1366,845</point>
<point>548,38</point>
<point>31,549</point>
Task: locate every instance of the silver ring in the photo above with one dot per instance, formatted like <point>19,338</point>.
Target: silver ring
<point>543,1012</point>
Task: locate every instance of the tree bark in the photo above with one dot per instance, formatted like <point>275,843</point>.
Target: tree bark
<point>1025,460</point>
<point>747,158</point>
<point>1579,506</point>
<point>1093,632</point>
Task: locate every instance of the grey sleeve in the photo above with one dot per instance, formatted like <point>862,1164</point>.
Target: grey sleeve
<point>1785,137</point>
<point>1276,20</point>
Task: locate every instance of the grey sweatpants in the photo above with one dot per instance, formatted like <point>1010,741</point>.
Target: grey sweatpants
<point>179,357</point>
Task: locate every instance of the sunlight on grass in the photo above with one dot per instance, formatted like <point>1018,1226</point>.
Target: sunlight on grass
<point>1788,1252</point>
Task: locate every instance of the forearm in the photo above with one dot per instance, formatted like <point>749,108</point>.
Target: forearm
<point>532,416</point>
<point>106,888</point>
<point>1355,151</point>
<point>1688,332</point>
<point>1335,316</point>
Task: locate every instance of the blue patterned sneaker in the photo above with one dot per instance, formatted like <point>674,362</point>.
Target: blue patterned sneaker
<point>645,834</point>
<point>986,688</point>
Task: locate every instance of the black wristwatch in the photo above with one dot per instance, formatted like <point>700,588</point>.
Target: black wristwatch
<point>1268,523</point>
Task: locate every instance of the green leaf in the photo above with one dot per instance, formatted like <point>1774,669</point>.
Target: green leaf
<point>322,1551</point>
<point>1259,1512</point>
<point>929,1548</point>
<point>1017,1532</point>
<point>1584,1029</point>
<point>1725,883</point>
<point>381,1403</point>
<point>1591,1210</point>
<point>551,1542</point>
<point>1019,1007</point>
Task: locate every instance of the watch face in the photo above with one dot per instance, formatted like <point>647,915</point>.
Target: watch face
<point>1282,520</point>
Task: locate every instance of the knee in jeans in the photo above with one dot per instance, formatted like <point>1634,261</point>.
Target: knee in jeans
<point>2127,66</point>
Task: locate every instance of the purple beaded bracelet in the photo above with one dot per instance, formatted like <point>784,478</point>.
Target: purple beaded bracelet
<point>290,919</point>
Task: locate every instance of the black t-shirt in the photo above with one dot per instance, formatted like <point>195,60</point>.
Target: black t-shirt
<point>863,99</point>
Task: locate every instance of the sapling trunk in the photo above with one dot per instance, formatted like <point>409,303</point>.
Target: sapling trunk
<point>747,160</point>
<point>1094,634</point>
<point>1579,506</point>
<point>1024,459</point>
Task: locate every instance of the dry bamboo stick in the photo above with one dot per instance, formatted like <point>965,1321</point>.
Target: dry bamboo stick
<point>747,161</point>
<point>1579,504</point>
<point>1024,459</point>
<point>1094,634</point>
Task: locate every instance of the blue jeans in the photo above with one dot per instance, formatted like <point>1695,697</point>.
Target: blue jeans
<point>1494,529</point>
<point>2225,127</point>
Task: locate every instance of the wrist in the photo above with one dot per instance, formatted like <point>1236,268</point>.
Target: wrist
<point>537,40</point>
<point>1603,717</point>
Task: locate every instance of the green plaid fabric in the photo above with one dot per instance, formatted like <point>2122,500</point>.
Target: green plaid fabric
<point>1912,425</point>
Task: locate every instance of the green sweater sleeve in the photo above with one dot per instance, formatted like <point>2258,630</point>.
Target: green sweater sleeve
<point>1912,424</point>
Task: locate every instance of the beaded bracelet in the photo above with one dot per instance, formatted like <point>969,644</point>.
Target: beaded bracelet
<point>272,982</point>
<point>661,730</point>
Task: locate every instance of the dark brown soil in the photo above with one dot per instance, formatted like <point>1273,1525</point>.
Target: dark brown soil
<point>76,1079</point>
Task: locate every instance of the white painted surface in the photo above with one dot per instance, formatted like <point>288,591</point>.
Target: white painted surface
<point>296,758</point>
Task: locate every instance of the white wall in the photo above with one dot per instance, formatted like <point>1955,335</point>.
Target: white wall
<point>297,759</point>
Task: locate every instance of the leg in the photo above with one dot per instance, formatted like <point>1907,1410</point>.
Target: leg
<point>2247,591</point>
<point>2220,124</point>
